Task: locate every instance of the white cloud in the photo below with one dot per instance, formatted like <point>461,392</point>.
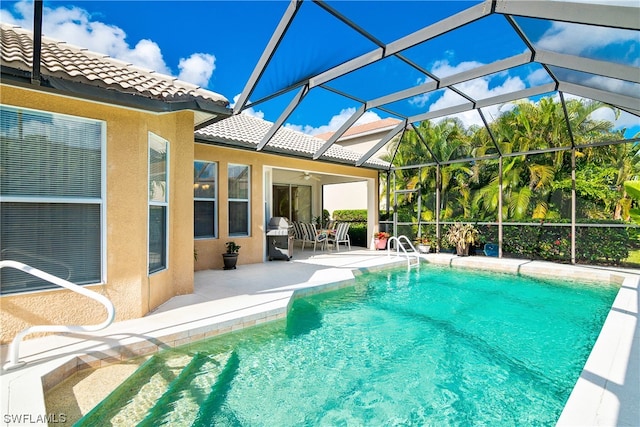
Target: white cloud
<point>539,77</point>
<point>76,26</point>
<point>335,122</point>
<point>444,69</point>
<point>197,69</point>
<point>575,39</point>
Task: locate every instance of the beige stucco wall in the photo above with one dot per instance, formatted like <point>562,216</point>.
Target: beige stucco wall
<point>253,247</point>
<point>128,285</point>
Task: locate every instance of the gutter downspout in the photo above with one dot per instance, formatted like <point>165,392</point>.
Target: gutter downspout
<point>37,43</point>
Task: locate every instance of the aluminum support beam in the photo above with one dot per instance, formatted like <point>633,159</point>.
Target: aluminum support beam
<point>573,205</point>
<point>500,99</point>
<point>438,184</point>
<point>267,54</point>
<point>388,137</point>
<point>617,100</point>
<point>285,114</point>
<point>605,15</point>
<point>500,225</point>
<point>491,135</point>
<point>433,156</point>
<point>567,122</point>
<point>587,65</point>
<point>488,69</point>
<point>474,73</point>
<point>460,19</point>
<point>337,134</point>
<point>441,27</point>
<point>442,112</point>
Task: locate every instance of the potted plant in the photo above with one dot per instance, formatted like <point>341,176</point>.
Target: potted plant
<point>230,258</point>
<point>424,244</point>
<point>380,239</point>
<point>462,236</point>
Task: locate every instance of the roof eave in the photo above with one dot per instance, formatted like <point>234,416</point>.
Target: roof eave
<point>214,111</point>
<point>211,140</point>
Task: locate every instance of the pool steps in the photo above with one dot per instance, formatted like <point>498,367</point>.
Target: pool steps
<point>182,382</point>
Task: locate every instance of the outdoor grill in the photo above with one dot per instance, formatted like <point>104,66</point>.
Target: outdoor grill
<point>279,242</point>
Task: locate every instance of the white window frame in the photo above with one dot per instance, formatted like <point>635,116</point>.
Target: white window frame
<point>102,201</point>
<point>247,200</point>
<point>153,138</point>
<point>213,199</point>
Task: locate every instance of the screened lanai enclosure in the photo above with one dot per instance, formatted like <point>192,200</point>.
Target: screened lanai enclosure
<point>519,117</point>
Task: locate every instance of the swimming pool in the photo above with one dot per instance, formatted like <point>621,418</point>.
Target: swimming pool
<point>431,346</point>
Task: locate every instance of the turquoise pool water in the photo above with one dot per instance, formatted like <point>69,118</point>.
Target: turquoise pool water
<point>434,346</point>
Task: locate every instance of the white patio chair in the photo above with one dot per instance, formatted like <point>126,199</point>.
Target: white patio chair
<point>312,236</point>
<point>298,232</point>
<point>341,235</point>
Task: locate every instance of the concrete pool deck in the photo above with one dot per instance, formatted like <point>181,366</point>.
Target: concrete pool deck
<point>606,393</point>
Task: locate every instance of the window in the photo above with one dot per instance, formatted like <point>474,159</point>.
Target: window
<point>205,213</point>
<point>239,182</point>
<point>158,202</point>
<point>51,197</point>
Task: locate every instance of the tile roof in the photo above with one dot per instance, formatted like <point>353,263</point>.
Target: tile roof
<point>378,125</point>
<point>247,131</point>
<point>63,62</point>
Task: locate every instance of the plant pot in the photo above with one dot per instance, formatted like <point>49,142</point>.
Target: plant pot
<point>463,249</point>
<point>230,261</point>
<point>424,249</point>
<point>380,243</point>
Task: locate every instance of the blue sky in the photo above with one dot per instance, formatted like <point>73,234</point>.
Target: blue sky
<point>216,45</point>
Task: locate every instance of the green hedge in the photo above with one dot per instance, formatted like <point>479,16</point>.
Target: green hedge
<point>538,241</point>
<point>350,215</point>
<point>358,234</point>
<point>358,227</point>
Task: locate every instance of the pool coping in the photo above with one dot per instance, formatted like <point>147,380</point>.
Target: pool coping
<point>603,395</point>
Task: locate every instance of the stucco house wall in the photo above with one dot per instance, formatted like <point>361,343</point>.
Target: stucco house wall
<point>133,291</point>
<point>253,247</point>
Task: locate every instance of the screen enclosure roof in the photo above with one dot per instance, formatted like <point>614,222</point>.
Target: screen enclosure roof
<point>427,60</point>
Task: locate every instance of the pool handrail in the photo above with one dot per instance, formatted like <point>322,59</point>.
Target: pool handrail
<point>14,348</point>
<point>399,246</point>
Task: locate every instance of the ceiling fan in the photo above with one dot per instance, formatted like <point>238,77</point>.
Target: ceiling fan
<point>307,176</point>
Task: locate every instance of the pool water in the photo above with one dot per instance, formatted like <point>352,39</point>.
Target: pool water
<point>434,346</point>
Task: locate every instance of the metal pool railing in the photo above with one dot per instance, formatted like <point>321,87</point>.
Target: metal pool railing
<point>399,245</point>
<point>14,348</point>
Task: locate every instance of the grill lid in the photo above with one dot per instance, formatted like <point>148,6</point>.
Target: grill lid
<point>278,223</point>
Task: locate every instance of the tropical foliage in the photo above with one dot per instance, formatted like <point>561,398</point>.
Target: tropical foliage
<point>537,184</point>
<point>534,186</point>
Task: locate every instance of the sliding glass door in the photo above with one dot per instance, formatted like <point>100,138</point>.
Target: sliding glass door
<point>292,201</point>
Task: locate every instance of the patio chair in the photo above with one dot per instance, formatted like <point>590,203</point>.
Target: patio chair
<point>341,235</point>
<point>298,233</point>
<point>491,249</point>
<point>311,235</point>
